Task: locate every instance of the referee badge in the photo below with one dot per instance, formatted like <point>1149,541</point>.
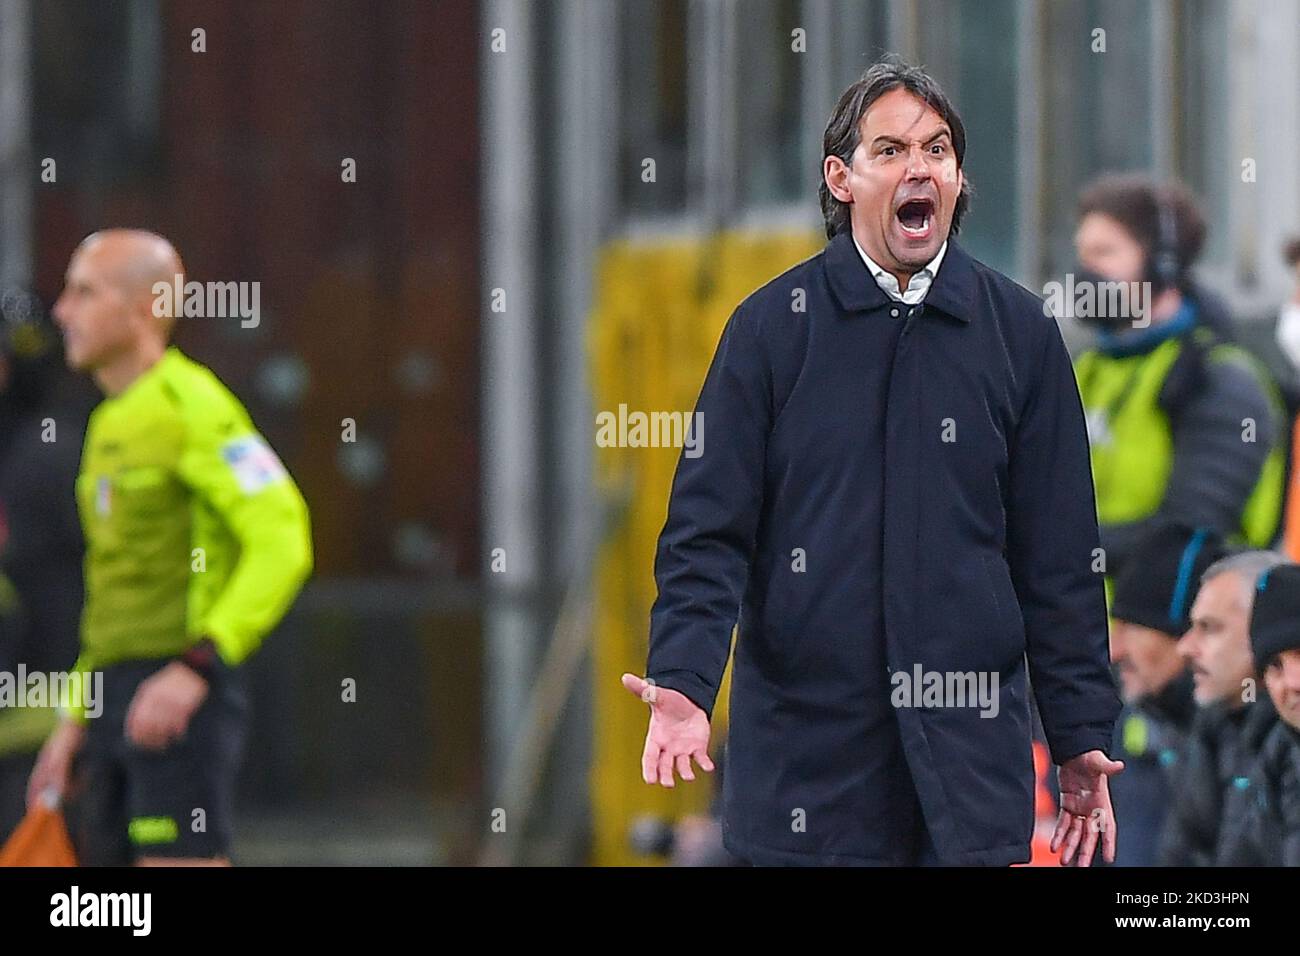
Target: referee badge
<point>253,463</point>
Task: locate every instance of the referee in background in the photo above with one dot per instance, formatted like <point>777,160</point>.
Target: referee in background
<point>197,541</point>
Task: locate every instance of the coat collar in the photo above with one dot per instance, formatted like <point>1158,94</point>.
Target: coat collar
<point>952,292</point>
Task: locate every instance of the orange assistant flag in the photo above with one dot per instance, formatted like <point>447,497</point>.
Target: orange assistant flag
<point>1291,520</point>
<point>40,840</point>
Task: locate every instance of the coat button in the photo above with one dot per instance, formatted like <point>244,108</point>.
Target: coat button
<point>894,313</point>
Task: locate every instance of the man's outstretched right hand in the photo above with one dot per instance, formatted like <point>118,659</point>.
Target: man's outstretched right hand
<point>679,730</point>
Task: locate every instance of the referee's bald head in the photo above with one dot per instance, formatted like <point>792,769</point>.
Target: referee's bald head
<point>136,260</point>
<point>118,307</point>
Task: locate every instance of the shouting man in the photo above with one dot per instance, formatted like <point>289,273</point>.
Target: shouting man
<point>897,506</point>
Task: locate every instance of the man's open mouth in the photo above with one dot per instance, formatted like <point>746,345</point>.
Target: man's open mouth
<point>915,217</point>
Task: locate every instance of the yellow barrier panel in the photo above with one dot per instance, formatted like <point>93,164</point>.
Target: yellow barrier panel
<point>659,310</point>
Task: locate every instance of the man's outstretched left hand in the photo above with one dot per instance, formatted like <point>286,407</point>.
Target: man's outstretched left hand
<point>1086,813</point>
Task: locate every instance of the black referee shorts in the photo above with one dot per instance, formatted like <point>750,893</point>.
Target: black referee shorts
<point>129,802</point>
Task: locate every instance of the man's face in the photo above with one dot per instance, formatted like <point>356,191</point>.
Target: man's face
<point>903,182</point>
<point>1105,247</point>
<point>94,310</point>
<point>1282,678</point>
<point>1146,659</point>
<point>1217,646</point>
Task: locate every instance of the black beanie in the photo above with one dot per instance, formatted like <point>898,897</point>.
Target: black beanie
<point>1159,580</point>
<point>1275,617</point>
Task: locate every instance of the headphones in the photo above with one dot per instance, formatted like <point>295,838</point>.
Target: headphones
<point>1164,269</point>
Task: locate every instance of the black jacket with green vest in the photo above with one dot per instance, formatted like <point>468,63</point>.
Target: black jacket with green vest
<point>1185,427</point>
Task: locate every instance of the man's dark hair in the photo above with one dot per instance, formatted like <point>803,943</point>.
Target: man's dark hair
<point>843,135</point>
<point>1291,251</point>
<point>1134,200</point>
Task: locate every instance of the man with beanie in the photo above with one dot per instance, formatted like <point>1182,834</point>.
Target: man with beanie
<point>1265,829</point>
<point>1153,598</point>
<point>1232,720</point>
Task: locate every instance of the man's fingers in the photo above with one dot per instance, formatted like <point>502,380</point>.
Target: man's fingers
<point>666,769</point>
<point>650,761</point>
<point>142,718</point>
<point>1108,839</point>
<point>702,758</point>
<point>147,730</point>
<point>146,727</point>
<point>175,730</point>
<point>643,688</point>
<point>1062,828</point>
<point>1066,851</point>
<point>634,684</point>
<point>36,783</point>
<point>1078,834</point>
<point>1072,841</point>
<point>132,726</point>
<point>1084,856</point>
<point>684,767</point>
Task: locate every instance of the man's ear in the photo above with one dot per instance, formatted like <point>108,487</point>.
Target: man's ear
<point>836,175</point>
<point>142,306</point>
<point>142,312</point>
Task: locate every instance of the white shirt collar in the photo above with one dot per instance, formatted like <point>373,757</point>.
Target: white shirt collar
<point>917,286</point>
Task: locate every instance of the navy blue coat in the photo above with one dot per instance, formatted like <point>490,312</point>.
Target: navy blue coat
<point>883,487</point>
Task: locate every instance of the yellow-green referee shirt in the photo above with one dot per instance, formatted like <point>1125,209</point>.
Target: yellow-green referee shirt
<point>193,527</point>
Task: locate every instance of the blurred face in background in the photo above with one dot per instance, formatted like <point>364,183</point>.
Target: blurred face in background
<point>1217,646</point>
<point>1102,245</point>
<point>1288,324</point>
<point>903,183</point>
<point>1146,659</point>
<point>1282,678</point>
<point>95,309</point>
